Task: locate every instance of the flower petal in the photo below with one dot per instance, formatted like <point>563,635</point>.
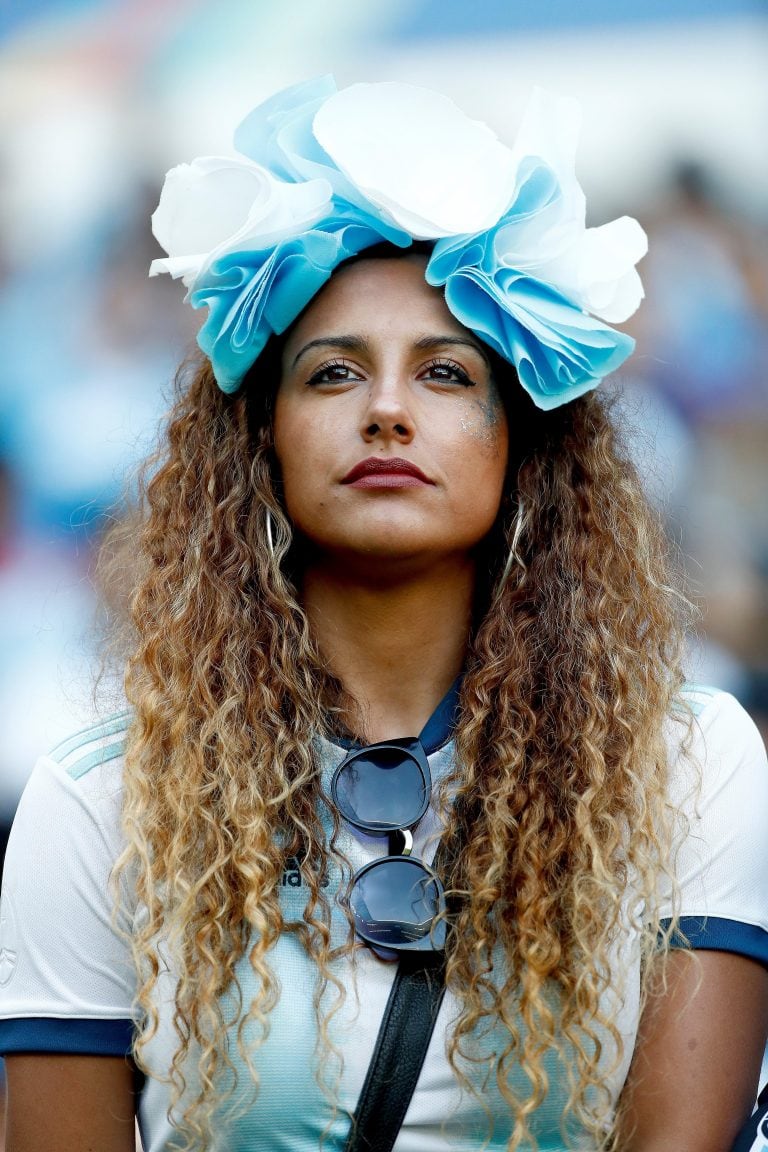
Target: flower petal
<point>395,143</point>
<point>602,269</point>
<point>266,132</point>
<point>279,135</point>
<point>560,352</point>
<point>204,202</point>
<point>217,205</point>
<point>289,210</point>
<point>550,130</point>
<point>185,268</point>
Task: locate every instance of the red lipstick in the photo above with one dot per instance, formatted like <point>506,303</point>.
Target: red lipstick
<point>385,472</point>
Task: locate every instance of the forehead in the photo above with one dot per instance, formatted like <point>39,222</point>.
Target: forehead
<point>386,295</point>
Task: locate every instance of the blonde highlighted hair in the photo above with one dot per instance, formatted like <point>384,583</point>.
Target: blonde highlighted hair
<point>557,800</point>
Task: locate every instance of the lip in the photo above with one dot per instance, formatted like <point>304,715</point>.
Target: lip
<point>385,472</point>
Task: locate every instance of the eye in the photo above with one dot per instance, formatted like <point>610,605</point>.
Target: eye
<point>448,372</point>
<point>333,372</point>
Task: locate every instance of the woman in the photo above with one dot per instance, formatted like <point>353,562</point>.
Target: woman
<point>366,523</point>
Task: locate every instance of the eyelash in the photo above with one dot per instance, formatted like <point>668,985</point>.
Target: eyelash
<point>462,376</point>
<point>329,366</point>
<point>450,365</point>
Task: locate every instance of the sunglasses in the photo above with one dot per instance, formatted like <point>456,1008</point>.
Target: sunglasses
<point>395,901</point>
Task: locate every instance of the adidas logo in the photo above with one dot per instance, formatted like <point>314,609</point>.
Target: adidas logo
<point>292,877</point>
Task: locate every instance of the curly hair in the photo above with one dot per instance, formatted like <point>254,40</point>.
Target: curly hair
<point>558,795</point>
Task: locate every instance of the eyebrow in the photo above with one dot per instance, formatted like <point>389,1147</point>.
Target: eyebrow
<point>347,343</point>
<point>360,344</point>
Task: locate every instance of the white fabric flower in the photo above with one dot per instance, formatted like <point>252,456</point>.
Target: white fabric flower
<point>598,270</point>
<point>415,155</point>
<point>218,204</point>
<point>594,267</point>
<point>550,129</point>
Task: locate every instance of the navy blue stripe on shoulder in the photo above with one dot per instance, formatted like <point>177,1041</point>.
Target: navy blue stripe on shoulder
<point>723,935</point>
<point>438,730</point>
<point>52,1034</point>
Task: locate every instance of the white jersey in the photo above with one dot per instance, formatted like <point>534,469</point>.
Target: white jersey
<point>67,982</point>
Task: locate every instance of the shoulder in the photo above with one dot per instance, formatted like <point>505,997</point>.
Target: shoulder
<point>719,786</point>
<point>84,755</point>
<point>710,706</point>
<point>90,762</point>
<point>716,749</point>
<point>64,923</point>
<point>76,790</point>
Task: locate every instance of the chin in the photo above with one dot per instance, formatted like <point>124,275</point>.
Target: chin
<point>377,555</point>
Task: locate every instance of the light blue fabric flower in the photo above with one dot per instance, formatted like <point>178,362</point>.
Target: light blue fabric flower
<point>491,287</point>
<point>278,135</point>
<point>253,294</point>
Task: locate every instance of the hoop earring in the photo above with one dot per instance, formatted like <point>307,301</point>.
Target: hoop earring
<point>514,556</point>
<point>270,540</point>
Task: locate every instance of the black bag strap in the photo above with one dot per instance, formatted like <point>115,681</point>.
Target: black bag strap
<point>754,1135</point>
<point>401,1046</point>
<point>403,1039</point>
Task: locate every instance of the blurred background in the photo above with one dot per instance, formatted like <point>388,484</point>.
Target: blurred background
<point>99,97</point>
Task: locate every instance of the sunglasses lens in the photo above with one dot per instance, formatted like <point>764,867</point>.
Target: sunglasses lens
<point>394,904</point>
<point>385,788</point>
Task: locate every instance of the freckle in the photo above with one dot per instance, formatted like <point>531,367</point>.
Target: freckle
<point>692,1044</point>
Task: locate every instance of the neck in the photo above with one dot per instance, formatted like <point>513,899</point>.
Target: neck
<point>396,647</point>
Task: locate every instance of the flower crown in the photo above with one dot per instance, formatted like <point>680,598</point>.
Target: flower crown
<point>324,174</point>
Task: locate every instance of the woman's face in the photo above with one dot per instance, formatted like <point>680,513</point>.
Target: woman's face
<point>389,432</point>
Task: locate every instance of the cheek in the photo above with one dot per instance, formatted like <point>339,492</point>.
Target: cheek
<point>291,449</point>
<point>305,452</point>
<point>482,443</point>
<point>482,447</point>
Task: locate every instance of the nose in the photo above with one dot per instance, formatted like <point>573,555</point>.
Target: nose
<point>388,415</point>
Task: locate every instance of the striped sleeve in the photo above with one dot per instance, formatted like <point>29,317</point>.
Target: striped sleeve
<point>722,862</point>
<point>66,979</point>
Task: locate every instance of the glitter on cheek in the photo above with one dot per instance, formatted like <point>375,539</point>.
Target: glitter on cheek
<point>480,419</point>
